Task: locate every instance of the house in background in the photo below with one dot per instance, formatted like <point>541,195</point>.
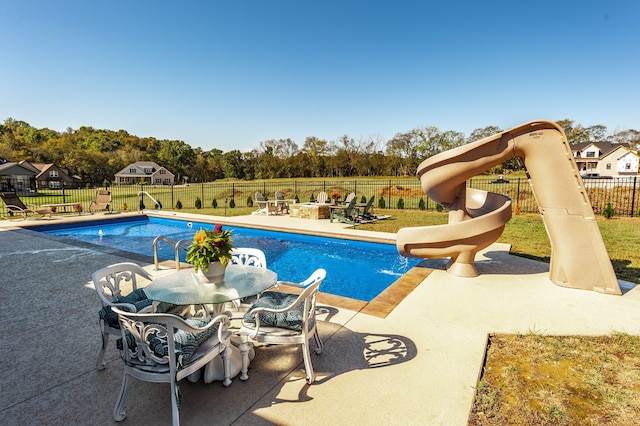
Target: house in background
<point>605,159</point>
<point>50,176</point>
<point>17,177</point>
<point>146,172</point>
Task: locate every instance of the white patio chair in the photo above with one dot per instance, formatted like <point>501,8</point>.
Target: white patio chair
<point>108,283</point>
<point>164,348</point>
<point>285,319</point>
<point>323,198</point>
<point>247,256</point>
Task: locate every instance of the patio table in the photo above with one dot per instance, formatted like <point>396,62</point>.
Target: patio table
<point>188,288</point>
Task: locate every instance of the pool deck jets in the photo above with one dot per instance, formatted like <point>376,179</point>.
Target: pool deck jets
<point>416,364</point>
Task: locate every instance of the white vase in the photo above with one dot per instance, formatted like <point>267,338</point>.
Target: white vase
<point>215,273</point>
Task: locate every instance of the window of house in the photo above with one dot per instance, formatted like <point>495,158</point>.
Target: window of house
<point>591,154</point>
<point>162,171</point>
<point>158,180</point>
<point>53,173</point>
<point>132,170</point>
<point>148,171</point>
<point>54,184</point>
<point>608,166</point>
<point>627,166</point>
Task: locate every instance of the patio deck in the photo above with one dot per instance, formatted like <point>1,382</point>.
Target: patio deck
<point>415,364</point>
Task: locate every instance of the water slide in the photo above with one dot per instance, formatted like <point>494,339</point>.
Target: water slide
<point>579,258</point>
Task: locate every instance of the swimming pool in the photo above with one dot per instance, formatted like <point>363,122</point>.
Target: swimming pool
<point>355,269</point>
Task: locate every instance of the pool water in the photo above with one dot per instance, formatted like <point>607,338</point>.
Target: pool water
<point>355,269</point>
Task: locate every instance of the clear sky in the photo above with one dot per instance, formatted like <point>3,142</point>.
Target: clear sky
<point>231,74</point>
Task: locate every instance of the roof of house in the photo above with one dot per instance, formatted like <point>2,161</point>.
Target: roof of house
<point>10,168</point>
<point>604,148</point>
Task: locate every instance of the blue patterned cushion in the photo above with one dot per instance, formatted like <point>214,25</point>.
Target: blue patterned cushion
<point>273,299</point>
<point>137,298</point>
<point>186,342</point>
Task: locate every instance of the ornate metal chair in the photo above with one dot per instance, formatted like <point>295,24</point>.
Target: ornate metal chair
<point>285,319</point>
<point>108,283</point>
<point>247,256</point>
<point>164,348</point>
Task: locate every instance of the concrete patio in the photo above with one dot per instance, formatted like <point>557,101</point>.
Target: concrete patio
<point>417,365</point>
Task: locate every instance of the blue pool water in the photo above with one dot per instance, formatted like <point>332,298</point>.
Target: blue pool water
<point>355,269</point>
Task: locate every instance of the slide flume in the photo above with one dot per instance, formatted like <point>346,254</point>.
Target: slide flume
<point>579,258</point>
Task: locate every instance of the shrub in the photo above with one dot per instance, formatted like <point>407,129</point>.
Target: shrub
<point>363,199</point>
<point>439,208</point>
<point>232,203</point>
<point>381,203</point>
<point>608,211</point>
<point>214,203</point>
<point>198,203</point>
<point>517,209</point>
<point>400,204</point>
<point>312,198</point>
<point>297,199</point>
<point>421,204</point>
<point>249,201</point>
<point>178,204</point>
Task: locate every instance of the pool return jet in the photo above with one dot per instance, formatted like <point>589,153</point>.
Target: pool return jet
<point>477,218</point>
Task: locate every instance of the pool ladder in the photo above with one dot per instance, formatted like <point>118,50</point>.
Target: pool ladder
<point>181,244</point>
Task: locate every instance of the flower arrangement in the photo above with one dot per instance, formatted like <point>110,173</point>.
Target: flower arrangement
<point>210,246</point>
<point>335,195</point>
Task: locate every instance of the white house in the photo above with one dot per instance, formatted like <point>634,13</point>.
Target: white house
<point>144,172</point>
<point>605,159</point>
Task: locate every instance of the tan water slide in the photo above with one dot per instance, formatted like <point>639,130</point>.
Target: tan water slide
<point>477,218</point>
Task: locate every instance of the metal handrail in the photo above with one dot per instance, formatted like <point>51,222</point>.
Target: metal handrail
<point>156,202</point>
<point>181,244</point>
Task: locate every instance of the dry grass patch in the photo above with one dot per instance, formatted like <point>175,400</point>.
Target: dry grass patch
<point>560,380</point>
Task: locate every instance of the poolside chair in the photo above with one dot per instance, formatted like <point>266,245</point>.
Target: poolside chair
<point>164,348</point>
<point>261,202</point>
<point>247,256</point>
<point>15,205</point>
<point>346,214</point>
<point>284,319</point>
<point>323,198</point>
<point>350,197</point>
<point>282,205</point>
<point>108,283</point>
<point>366,214</point>
<point>101,202</point>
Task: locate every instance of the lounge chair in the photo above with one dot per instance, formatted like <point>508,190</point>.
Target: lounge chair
<point>323,198</point>
<point>261,202</point>
<point>15,205</point>
<point>282,206</point>
<point>350,197</point>
<point>346,214</point>
<point>101,202</point>
<point>366,215</point>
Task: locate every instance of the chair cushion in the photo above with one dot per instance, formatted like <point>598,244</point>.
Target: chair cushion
<point>186,342</point>
<point>137,298</point>
<point>291,320</point>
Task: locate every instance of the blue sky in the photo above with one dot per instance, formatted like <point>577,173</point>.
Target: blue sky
<point>231,74</point>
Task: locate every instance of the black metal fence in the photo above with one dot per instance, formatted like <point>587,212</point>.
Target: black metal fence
<point>622,193</point>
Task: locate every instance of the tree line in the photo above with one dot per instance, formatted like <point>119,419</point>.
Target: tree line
<point>96,155</point>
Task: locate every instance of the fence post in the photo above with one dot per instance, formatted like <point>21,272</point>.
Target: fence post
<point>518,195</point>
<point>633,197</point>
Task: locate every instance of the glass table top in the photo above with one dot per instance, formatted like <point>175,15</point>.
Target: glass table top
<point>188,288</point>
